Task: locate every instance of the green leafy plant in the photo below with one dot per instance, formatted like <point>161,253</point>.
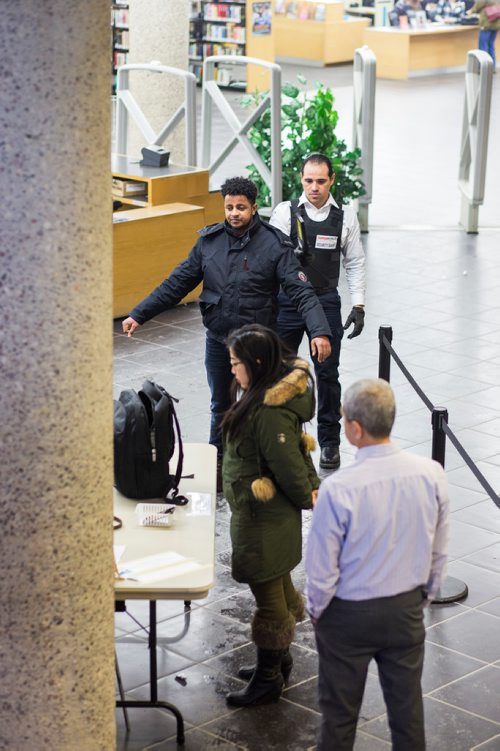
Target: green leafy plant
<point>308,122</point>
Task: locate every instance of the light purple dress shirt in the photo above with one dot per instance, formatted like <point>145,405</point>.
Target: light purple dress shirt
<point>379,528</point>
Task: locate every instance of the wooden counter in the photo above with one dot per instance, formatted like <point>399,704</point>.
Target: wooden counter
<point>152,237</point>
<point>403,52</point>
<point>319,42</point>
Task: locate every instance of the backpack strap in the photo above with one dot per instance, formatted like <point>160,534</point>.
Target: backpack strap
<point>173,494</point>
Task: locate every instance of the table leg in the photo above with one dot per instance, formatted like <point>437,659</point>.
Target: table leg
<point>153,680</point>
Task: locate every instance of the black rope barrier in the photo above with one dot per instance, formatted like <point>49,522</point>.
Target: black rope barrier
<point>443,424</point>
<point>465,456</point>
<point>451,589</point>
<point>408,375</point>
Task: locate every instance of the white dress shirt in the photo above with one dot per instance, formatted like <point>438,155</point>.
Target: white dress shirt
<point>379,528</point>
<point>353,256</point>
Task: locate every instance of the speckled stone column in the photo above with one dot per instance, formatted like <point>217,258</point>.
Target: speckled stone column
<point>159,31</point>
<point>56,614</point>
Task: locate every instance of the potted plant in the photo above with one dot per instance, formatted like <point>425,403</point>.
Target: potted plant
<point>308,122</point>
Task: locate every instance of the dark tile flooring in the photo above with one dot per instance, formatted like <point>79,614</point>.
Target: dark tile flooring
<point>438,290</point>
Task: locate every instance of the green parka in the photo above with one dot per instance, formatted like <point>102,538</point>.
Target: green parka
<point>268,478</point>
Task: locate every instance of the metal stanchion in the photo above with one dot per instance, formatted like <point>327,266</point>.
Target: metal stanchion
<point>384,356</point>
<point>451,589</point>
<point>127,105</point>
<point>238,131</point>
<point>474,142</point>
<point>364,79</point>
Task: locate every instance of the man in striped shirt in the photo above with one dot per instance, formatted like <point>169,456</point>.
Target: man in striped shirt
<point>375,557</point>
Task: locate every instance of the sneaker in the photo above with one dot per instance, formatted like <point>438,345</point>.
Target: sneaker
<point>330,457</point>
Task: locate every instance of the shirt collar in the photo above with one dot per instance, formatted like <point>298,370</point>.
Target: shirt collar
<point>378,449</point>
<point>330,202</point>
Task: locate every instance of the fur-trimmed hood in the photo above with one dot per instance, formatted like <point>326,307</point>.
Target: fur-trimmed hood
<point>289,390</point>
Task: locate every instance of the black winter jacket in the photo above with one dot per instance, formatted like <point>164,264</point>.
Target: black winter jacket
<point>241,280</point>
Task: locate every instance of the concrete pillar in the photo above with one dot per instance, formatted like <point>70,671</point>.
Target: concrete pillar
<point>56,614</point>
<point>159,31</point>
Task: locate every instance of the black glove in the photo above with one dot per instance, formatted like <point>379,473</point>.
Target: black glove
<point>357,317</point>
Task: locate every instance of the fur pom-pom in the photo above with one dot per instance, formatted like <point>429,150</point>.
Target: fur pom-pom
<point>263,489</point>
<point>308,443</point>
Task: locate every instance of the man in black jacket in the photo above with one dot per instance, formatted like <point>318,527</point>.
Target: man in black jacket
<point>242,263</point>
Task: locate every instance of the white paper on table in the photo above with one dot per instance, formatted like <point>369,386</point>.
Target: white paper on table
<point>200,504</point>
<point>159,566</point>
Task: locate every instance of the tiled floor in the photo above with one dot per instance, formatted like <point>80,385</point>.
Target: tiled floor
<point>438,290</point>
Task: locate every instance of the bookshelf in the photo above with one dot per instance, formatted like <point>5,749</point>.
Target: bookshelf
<point>120,39</point>
<point>218,27</point>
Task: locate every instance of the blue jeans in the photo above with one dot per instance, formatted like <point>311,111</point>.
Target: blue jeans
<point>219,379</point>
<point>487,43</point>
<point>291,328</point>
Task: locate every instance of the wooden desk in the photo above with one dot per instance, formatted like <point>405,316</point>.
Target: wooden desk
<point>159,229</point>
<point>401,52</point>
<point>191,536</point>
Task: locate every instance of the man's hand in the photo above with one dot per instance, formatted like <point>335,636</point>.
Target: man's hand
<point>314,497</point>
<point>357,317</point>
<point>321,347</point>
<point>129,326</point>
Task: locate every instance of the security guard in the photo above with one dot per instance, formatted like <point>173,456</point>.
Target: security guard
<point>242,263</point>
<point>323,234</point>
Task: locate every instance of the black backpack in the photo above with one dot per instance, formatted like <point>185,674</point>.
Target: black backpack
<point>144,441</point>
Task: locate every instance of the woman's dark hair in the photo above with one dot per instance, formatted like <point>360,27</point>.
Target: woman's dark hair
<point>240,186</point>
<point>267,360</point>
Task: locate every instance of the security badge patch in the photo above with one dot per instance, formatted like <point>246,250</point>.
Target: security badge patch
<point>281,438</point>
<point>326,242</point>
<point>302,276</point>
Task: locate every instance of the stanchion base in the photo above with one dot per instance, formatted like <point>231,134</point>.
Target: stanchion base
<point>451,590</point>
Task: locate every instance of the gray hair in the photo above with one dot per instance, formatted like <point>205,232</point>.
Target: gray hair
<point>371,403</point>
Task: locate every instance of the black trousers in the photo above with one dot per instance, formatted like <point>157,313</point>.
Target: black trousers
<point>291,328</point>
<point>348,635</point>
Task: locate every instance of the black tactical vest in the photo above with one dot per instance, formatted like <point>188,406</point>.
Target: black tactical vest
<point>322,241</point>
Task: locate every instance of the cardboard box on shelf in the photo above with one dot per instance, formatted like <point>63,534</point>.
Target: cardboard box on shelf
<point>128,187</point>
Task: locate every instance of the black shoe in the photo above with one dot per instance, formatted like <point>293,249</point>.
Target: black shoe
<point>265,684</point>
<point>247,671</point>
<point>330,457</point>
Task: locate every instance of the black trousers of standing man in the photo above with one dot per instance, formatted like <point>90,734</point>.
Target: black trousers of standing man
<point>348,635</point>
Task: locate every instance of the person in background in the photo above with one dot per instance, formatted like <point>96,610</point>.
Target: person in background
<point>406,8</point>
<point>449,11</point>
<point>375,557</point>
<point>242,263</point>
<point>487,29</point>
<point>268,478</point>
<point>324,234</point>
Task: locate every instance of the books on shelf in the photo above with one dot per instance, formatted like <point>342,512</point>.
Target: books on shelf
<point>215,11</point>
<point>303,10</point>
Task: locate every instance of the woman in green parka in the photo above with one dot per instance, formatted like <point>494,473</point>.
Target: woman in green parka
<point>268,478</point>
